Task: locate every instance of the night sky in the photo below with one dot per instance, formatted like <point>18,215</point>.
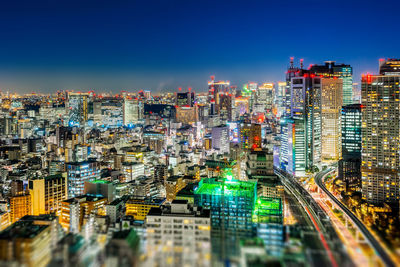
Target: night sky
<point>162,45</point>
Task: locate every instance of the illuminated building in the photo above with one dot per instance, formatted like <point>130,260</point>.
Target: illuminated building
<point>26,243</point>
<point>78,108</point>
<point>178,234</point>
<point>290,73</point>
<point>220,138</point>
<point>187,115</point>
<point>242,105</point>
<point>380,166</point>
<point>132,170</point>
<point>350,164</point>
<point>75,211</point>
<point>140,207</point>
<point>342,71</point>
<point>20,205</point>
<point>47,194</point>
<point>268,216</point>
<point>250,135</point>
<point>225,107</point>
<point>78,173</point>
<point>331,110</point>
<point>154,140</point>
<point>265,95</point>
<point>259,163</point>
<point>306,114</point>
<point>215,88</point>
<point>173,185</point>
<point>132,111</point>
<point>185,99</point>
<point>231,203</point>
<point>5,220</point>
<point>207,142</point>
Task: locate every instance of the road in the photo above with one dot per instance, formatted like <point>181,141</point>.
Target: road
<point>328,236</point>
<point>380,251</point>
<point>314,250</point>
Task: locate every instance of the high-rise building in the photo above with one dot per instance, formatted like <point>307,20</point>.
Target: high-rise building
<point>306,114</point>
<point>332,70</point>
<point>231,203</point>
<point>78,173</point>
<point>47,194</point>
<point>185,99</point>
<point>132,111</point>
<point>265,95</point>
<point>250,135</point>
<point>215,88</point>
<point>178,234</point>
<point>380,166</point>
<point>331,107</point>
<point>350,164</point>
<point>220,138</point>
<point>78,108</point>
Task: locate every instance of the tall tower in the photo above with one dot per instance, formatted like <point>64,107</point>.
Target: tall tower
<point>78,108</point>
<point>306,114</point>
<point>345,72</point>
<point>331,106</point>
<point>380,166</point>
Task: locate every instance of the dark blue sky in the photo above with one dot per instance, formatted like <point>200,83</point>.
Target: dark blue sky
<point>165,44</point>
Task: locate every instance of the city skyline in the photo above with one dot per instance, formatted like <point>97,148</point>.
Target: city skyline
<point>132,46</point>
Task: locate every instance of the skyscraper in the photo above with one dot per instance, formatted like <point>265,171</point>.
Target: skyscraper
<point>250,135</point>
<point>350,164</point>
<point>215,88</point>
<point>342,71</point>
<point>132,111</point>
<point>306,114</point>
<point>78,108</point>
<point>380,166</point>
<point>220,138</point>
<point>331,107</point>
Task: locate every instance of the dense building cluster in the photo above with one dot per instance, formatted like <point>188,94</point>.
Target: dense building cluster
<point>186,178</point>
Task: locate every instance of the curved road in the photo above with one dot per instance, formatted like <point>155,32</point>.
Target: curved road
<point>380,251</point>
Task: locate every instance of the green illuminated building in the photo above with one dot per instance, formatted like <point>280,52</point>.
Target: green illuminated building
<point>232,203</point>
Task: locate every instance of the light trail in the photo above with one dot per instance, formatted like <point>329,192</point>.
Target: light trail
<point>324,243</point>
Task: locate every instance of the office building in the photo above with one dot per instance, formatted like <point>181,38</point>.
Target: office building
<point>75,211</point>
<point>306,115</point>
<point>77,108</point>
<point>47,194</point>
<point>132,111</point>
<point>20,205</point>
<point>185,99</point>
<point>132,170</point>
<point>140,207</point>
<point>331,111</point>
<point>350,164</point>
<point>380,166</point>
<point>220,138</point>
<point>78,173</point>
<point>179,234</point>
<point>342,71</point>
<point>250,135</point>
<point>231,203</point>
